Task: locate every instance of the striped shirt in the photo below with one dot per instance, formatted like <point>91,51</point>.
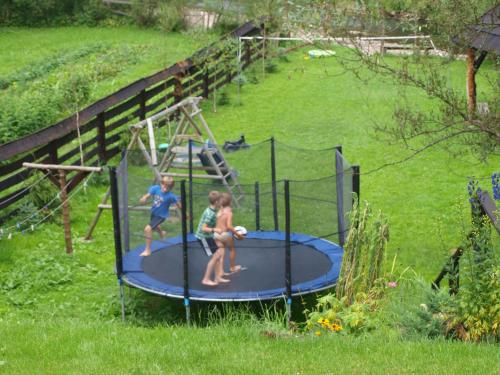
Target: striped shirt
<point>209,217</point>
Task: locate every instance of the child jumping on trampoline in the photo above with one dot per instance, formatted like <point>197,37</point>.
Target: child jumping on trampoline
<point>225,237</point>
<point>205,235</point>
<point>163,198</point>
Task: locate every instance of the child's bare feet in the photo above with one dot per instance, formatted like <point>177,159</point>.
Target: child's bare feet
<point>222,280</point>
<point>235,269</point>
<point>209,282</point>
<point>146,253</point>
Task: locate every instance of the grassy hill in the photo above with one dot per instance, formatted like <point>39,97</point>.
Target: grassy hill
<point>60,314</point>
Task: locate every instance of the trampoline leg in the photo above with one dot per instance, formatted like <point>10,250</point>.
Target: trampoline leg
<point>122,299</point>
<point>288,312</point>
<point>188,311</point>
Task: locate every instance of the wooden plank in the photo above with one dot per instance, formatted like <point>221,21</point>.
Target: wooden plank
<point>76,150</point>
<point>14,180</point>
<point>113,152</point>
<point>114,138</point>
<point>161,101</point>
<point>186,175</point>
<point>18,164</point>
<point>123,107</point>
<point>61,167</point>
<point>13,197</point>
<point>124,120</point>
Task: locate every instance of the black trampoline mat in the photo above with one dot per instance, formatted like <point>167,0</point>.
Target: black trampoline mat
<point>263,258</point>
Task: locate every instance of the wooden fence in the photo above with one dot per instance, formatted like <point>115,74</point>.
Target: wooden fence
<point>102,123</point>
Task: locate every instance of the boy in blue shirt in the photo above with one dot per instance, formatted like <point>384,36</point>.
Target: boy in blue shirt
<point>163,198</point>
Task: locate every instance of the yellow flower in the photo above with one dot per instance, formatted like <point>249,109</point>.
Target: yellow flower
<point>317,333</point>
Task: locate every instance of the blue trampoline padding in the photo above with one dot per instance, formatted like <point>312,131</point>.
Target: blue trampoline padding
<point>166,260</point>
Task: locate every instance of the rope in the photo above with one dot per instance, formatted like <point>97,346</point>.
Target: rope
<point>70,196</point>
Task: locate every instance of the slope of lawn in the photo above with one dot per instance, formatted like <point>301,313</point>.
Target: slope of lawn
<point>61,314</point>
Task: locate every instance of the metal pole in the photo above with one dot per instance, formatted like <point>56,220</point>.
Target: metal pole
<point>122,298</point>
<point>191,227</point>
<point>339,177</point>
<point>257,207</point>
<point>273,179</point>
<point>185,253</point>
<point>239,68</point>
<point>117,233</point>
<point>356,181</point>
<point>288,263</point>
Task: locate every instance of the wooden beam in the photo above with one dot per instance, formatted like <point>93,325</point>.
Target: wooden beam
<point>65,209</point>
<point>471,82</point>
<point>62,167</point>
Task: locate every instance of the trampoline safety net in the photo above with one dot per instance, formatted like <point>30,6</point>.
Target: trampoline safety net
<point>320,196</point>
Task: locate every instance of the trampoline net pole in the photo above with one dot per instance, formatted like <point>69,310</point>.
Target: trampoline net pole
<point>356,184</point>
<point>273,180</point>
<point>257,207</point>
<point>116,222</point>
<point>339,167</point>
<point>185,250</point>
<point>288,268</point>
<point>190,166</point>
<point>123,173</point>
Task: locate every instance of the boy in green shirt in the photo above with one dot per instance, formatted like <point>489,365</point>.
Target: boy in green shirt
<point>205,234</point>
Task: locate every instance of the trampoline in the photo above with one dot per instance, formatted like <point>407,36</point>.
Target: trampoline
<point>315,265</point>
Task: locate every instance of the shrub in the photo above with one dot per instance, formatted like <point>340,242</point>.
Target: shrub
<point>240,79</point>
<point>144,12</point>
<point>271,66</point>
<point>170,17</point>
<point>364,252</point>
<point>339,315</point>
<point>223,98</point>
<point>50,12</point>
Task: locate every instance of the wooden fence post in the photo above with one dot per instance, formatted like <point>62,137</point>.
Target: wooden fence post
<point>178,90</point>
<point>206,91</point>
<point>101,136</point>
<point>65,210</point>
<point>53,157</point>
<point>142,99</point>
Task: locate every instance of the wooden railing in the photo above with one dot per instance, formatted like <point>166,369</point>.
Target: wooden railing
<point>102,123</point>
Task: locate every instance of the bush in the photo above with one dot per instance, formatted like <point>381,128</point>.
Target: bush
<point>223,98</point>
<point>50,12</point>
<point>339,315</point>
<point>170,17</point>
<point>364,252</point>
<point>144,12</point>
<point>271,66</point>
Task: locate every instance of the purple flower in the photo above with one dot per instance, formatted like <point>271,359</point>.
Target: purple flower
<point>392,284</point>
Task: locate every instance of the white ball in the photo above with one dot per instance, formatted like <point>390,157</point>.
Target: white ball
<point>241,230</point>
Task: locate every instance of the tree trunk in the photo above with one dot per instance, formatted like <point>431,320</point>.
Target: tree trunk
<point>471,82</point>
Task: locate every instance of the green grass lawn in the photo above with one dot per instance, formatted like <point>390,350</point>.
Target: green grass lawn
<point>24,46</point>
<point>90,347</point>
<point>60,314</point>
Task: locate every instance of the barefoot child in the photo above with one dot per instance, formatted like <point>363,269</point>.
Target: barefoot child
<point>162,199</point>
<point>225,237</point>
<point>205,234</point>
